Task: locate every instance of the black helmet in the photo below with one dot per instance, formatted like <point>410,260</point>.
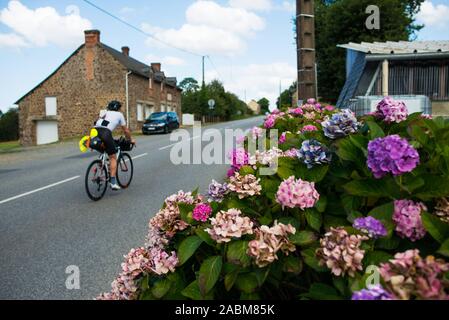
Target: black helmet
<point>114,105</point>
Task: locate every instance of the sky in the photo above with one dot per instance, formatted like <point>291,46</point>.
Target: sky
<point>250,42</point>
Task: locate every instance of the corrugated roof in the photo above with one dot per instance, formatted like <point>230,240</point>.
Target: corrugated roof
<point>398,47</point>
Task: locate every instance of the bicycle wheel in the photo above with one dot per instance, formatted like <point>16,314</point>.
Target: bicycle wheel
<point>96,180</point>
<point>125,169</point>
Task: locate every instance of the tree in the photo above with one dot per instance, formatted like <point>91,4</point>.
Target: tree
<point>9,125</point>
<point>286,98</point>
<point>264,104</point>
<point>189,85</point>
<point>343,21</point>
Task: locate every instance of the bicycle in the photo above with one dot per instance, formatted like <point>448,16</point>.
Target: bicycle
<point>99,169</point>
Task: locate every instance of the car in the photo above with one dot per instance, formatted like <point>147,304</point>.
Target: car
<point>161,122</point>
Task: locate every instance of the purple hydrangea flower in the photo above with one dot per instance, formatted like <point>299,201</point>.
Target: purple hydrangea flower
<point>391,111</point>
<point>371,226</point>
<point>391,154</point>
<point>217,191</point>
<point>312,152</point>
<point>340,124</point>
<point>201,212</point>
<point>374,293</point>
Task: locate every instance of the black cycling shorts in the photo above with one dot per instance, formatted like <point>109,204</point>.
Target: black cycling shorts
<point>106,136</point>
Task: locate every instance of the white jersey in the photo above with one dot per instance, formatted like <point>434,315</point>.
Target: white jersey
<point>110,120</point>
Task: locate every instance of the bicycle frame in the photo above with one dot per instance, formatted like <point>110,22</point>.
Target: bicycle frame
<point>104,157</point>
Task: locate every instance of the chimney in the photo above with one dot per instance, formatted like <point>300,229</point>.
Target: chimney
<point>92,37</point>
<point>125,51</point>
<point>156,67</point>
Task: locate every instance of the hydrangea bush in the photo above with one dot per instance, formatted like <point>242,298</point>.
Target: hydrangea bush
<point>358,209</point>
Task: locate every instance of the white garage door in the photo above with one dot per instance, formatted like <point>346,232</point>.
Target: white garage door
<point>46,132</point>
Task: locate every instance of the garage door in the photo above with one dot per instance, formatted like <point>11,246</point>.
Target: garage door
<point>46,132</point>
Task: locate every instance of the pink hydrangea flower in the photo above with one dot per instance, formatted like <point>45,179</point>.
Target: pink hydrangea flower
<point>407,217</point>
<point>391,111</point>
<point>291,153</point>
<point>298,193</point>
<point>283,138</point>
<point>256,133</point>
<point>309,127</point>
<point>245,186</point>
<point>202,212</point>
<point>269,122</point>
<point>229,224</point>
<point>329,108</point>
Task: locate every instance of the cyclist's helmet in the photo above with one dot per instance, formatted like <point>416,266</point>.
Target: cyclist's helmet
<point>114,105</point>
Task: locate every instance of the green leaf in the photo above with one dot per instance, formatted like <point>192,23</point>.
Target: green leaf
<point>187,248</point>
<point>383,212</point>
<point>372,188</point>
<point>209,274</point>
<point>444,249</point>
<point>292,265</point>
<point>246,170</point>
<point>321,291</point>
<point>434,187</point>
<point>160,288</point>
<point>437,228</point>
<point>250,296</point>
<point>185,211</point>
<point>419,134</point>
<point>247,282</point>
<point>388,244</point>
<point>333,221</point>
<point>261,275</point>
<point>237,253</point>
<point>314,174</point>
<point>303,238</point>
<point>230,279</point>
<point>375,130</point>
<point>285,173</point>
<point>205,237</point>
<point>321,204</point>
<point>311,260</point>
<point>376,257</point>
<point>314,219</point>
<point>192,291</point>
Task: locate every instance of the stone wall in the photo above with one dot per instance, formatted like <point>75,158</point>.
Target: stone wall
<point>440,108</point>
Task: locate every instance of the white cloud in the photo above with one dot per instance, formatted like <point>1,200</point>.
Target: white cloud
<point>44,26</point>
<point>289,6</point>
<point>168,60</point>
<point>434,15</point>
<point>259,80</point>
<point>211,29</point>
<point>251,4</point>
<point>12,40</point>
<point>127,10</point>
<point>236,20</point>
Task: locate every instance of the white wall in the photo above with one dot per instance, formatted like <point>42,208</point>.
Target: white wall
<point>188,119</point>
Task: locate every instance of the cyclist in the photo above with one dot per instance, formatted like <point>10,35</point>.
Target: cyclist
<point>105,125</point>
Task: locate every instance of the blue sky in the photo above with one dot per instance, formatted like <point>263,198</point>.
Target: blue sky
<point>250,42</point>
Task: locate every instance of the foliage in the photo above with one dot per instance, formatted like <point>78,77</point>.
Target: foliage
<point>321,243</point>
<point>195,100</point>
<point>343,21</point>
<point>9,125</point>
<point>264,104</point>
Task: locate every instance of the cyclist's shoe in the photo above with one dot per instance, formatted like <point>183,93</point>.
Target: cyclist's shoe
<point>115,186</point>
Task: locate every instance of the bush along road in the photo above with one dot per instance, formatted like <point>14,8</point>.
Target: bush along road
<point>357,209</point>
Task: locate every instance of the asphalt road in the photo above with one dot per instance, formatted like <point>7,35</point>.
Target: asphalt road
<point>47,222</point>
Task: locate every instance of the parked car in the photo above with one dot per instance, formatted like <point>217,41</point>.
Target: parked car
<point>158,122</point>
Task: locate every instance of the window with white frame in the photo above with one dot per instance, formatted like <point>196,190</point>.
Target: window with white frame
<point>50,106</point>
<point>162,108</point>
<point>148,111</point>
<point>140,112</point>
<point>151,83</point>
<point>169,96</point>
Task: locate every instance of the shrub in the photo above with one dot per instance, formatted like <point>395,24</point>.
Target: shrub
<point>316,229</point>
<point>9,125</point>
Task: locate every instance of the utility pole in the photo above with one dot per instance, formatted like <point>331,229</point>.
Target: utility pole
<point>305,41</point>
<point>204,83</point>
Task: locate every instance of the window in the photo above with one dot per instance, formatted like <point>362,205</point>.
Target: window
<point>148,111</point>
<point>169,96</point>
<point>139,112</point>
<point>162,108</point>
<point>151,83</point>
<point>50,106</point>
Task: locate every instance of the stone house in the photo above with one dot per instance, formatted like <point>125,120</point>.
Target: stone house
<point>68,101</point>
<point>254,106</point>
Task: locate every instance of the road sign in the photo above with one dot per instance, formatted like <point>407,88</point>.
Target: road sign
<point>211,103</point>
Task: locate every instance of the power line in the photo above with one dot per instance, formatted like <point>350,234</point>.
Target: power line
<point>140,30</point>
<point>213,65</point>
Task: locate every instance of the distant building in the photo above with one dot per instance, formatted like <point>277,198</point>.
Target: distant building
<point>254,106</point>
<point>417,72</point>
<point>68,101</point>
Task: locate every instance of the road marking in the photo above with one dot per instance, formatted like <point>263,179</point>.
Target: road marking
<point>40,189</point>
<point>173,144</point>
<point>140,156</point>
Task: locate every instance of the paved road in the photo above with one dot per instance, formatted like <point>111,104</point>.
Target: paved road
<point>55,226</point>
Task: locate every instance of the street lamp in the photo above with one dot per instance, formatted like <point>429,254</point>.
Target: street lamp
<point>127,99</point>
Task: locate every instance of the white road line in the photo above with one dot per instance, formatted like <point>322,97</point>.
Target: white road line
<point>173,144</point>
<point>40,189</point>
<point>140,156</point>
